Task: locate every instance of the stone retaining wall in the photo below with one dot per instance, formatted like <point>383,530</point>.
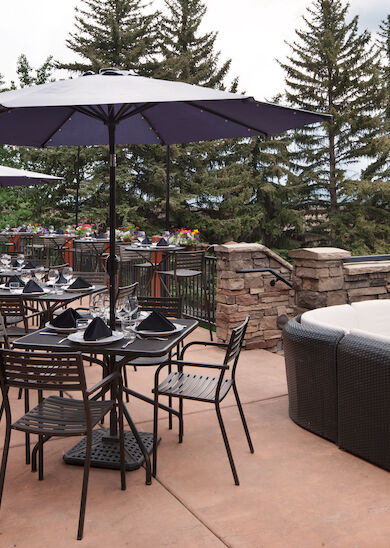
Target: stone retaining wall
<point>253,294</point>
<point>321,278</point>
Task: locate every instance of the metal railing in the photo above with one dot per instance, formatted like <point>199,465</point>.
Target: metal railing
<point>366,258</point>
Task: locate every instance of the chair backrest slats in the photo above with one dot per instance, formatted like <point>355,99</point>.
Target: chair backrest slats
<point>42,371</point>
<point>3,333</point>
<point>127,291</point>
<point>189,260</point>
<point>92,277</point>
<point>235,344</point>
<point>169,306</point>
<point>128,255</point>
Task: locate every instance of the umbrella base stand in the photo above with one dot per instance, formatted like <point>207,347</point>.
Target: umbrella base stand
<point>105,452</point>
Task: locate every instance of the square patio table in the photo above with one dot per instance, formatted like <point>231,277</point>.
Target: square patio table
<point>51,301</point>
<point>105,444</point>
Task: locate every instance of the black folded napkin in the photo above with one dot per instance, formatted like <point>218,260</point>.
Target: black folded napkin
<point>100,236</point>
<point>162,242</point>
<point>80,283</point>
<point>32,287</point>
<point>61,280</point>
<point>97,329</point>
<point>59,231</point>
<point>14,263</point>
<point>156,322</point>
<point>15,279</point>
<point>29,266</point>
<point>66,319</point>
<point>146,241</point>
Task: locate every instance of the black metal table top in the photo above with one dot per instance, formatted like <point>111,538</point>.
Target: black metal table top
<point>145,347</point>
<point>65,297</point>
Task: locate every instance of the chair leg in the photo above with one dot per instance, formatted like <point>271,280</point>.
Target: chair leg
<point>169,402</point>
<point>155,433</point>
<point>126,383</point>
<point>248,436</point>
<point>122,442</point>
<point>140,445</point>
<point>227,446</point>
<point>27,435</point>
<point>83,504</point>
<point>181,425</point>
<point>5,458</point>
<point>40,458</point>
<point>207,303</point>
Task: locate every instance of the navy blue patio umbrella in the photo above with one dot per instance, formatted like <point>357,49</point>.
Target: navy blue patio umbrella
<point>118,107</point>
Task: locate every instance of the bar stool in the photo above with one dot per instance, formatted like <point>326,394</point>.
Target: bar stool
<point>187,265</point>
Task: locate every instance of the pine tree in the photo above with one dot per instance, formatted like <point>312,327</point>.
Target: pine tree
<point>189,56</point>
<point>332,68</point>
<point>379,169</point>
<point>113,33</point>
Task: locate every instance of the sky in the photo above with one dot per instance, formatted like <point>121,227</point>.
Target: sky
<point>250,32</point>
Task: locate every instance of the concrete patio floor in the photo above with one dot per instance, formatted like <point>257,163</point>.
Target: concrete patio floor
<point>297,490</point>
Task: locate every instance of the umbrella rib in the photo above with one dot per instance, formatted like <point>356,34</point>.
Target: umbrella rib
<point>123,110</point>
<point>228,118</point>
<point>136,111</point>
<point>58,128</point>
<point>157,134</point>
<point>87,112</point>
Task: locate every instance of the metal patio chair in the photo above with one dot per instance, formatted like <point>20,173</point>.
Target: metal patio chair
<point>57,416</point>
<point>204,388</point>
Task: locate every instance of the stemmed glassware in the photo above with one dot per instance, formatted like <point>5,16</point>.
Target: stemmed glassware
<point>53,276</point>
<point>141,235</point>
<point>51,230</point>
<point>25,276</point>
<point>20,261</point>
<point>133,307</point>
<point>39,273</point>
<point>6,260</point>
<point>67,273</point>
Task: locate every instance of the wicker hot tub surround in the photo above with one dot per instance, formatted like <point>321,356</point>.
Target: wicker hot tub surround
<point>338,376</point>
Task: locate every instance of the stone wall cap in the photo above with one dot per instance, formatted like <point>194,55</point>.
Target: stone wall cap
<point>244,247</point>
<point>319,253</point>
<point>233,247</point>
<point>356,269</point>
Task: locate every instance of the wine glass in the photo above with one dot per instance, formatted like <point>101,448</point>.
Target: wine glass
<point>122,308</point>
<point>51,229</point>
<point>7,260</point>
<point>39,273</point>
<point>141,235</point>
<point>7,227</point>
<point>20,260</point>
<point>3,259</point>
<point>53,275</point>
<point>133,307</point>
<point>67,273</point>
<point>25,276</point>
<point>94,305</point>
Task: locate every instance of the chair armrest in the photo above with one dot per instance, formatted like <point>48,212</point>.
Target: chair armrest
<point>204,343</point>
<point>104,382</point>
<point>199,364</point>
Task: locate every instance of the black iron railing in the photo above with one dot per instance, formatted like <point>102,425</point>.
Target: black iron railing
<point>278,277</point>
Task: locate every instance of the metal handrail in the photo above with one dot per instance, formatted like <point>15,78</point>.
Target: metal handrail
<point>366,258</point>
<point>276,274</point>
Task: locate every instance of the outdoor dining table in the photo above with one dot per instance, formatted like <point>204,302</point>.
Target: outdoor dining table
<point>105,443</point>
<point>52,300</point>
<point>62,245</point>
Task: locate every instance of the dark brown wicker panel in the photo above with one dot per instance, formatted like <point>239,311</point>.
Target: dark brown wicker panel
<point>310,358</point>
<point>364,398</point>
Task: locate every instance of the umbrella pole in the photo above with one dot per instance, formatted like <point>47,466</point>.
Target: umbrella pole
<point>77,184</point>
<point>112,266</point>
<point>167,187</point>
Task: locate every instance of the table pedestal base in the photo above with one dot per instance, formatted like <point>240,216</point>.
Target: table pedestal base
<point>105,453</point>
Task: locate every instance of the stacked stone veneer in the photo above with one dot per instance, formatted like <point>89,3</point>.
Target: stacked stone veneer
<point>321,278</point>
<point>239,295</point>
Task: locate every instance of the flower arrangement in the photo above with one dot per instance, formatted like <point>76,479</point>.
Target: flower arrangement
<point>84,229</point>
<point>126,233</point>
<point>36,229</point>
<point>184,237</point>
